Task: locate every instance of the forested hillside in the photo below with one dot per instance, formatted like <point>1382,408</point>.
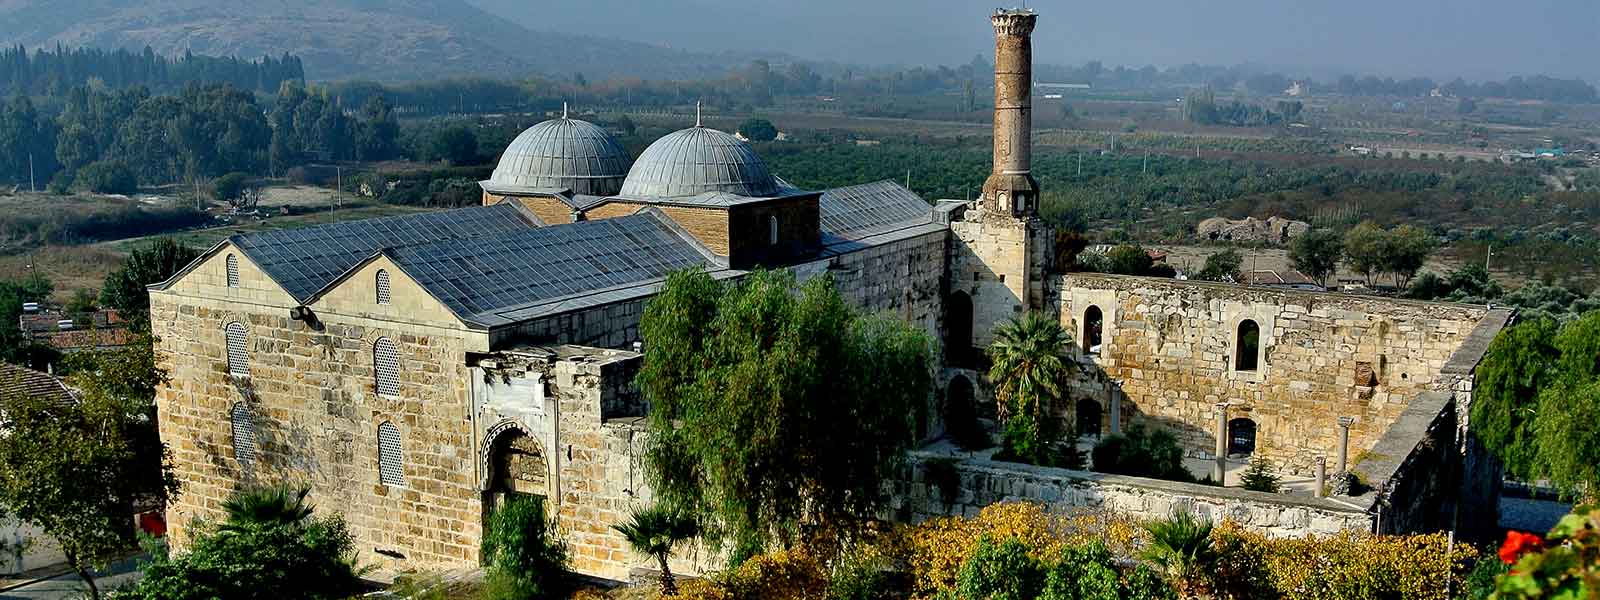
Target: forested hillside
<point>51,72</point>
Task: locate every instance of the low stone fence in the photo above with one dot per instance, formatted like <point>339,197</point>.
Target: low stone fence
<point>978,483</point>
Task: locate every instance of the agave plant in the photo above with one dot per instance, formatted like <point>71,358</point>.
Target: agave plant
<point>654,531</point>
<point>1182,547</point>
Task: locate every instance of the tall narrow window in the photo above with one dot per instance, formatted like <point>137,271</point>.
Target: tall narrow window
<point>386,367</point>
<point>233,271</point>
<point>772,230</point>
<point>391,461</point>
<point>383,286</point>
<point>1093,325</point>
<point>238,350</point>
<point>244,435</point>
<point>1248,346</point>
<point>1241,437</point>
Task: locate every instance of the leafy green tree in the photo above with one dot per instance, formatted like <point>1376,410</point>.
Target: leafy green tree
<point>758,130</point>
<point>1030,369</point>
<point>775,408</point>
<point>377,132</point>
<point>228,187</point>
<point>653,532</point>
<point>1536,402</point>
<point>1365,250</point>
<point>457,145</point>
<point>15,347</point>
<point>108,177</point>
<point>75,471</point>
<point>1002,571</point>
<point>1405,250</point>
<point>1222,266</point>
<point>1129,259</point>
<point>124,288</point>
<point>271,545</point>
<point>522,552</point>
<point>1317,254</point>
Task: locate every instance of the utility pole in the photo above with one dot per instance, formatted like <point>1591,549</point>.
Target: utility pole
<point>1146,168</point>
<point>1080,165</point>
<point>31,186</point>
<point>1486,254</point>
<point>338,189</point>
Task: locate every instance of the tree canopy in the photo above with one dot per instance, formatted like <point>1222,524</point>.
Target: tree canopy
<point>1316,254</point>
<point>1536,402</point>
<point>124,288</point>
<point>1029,368</point>
<point>775,407</point>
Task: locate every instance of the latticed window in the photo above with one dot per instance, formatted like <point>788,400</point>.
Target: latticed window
<point>244,434</point>
<point>383,286</point>
<point>386,367</point>
<point>391,461</point>
<point>238,350</point>
<point>233,271</point>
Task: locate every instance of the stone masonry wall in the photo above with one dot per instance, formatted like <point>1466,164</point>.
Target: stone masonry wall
<point>999,263</point>
<point>315,409</point>
<point>985,482</point>
<point>1170,349</point>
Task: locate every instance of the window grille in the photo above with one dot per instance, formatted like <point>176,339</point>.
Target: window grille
<point>391,462</point>
<point>244,435</point>
<point>386,367</point>
<point>233,271</point>
<point>383,286</point>
<point>238,351</point>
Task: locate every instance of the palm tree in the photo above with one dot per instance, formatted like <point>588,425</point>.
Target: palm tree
<point>654,531</point>
<point>1182,547</point>
<point>273,505</point>
<point>1029,370</point>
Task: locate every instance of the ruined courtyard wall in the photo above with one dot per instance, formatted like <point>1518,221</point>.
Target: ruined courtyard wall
<point>312,399</point>
<point>919,496</point>
<point>1170,346</point>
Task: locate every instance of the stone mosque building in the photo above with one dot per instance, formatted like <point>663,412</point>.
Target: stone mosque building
<point>416,370</point>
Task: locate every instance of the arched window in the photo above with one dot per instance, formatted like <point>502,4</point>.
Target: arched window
<point>244,434</point>
<point>1247,347</point>
<point>1241,437</point>
<point>238,350</point>
<point>382,284</point>
<point>1089,417</point>
<point>386,367</point>
<point>958,329</point>
<point>233,271</point>
<point>772,230</point>
<point>1093,326</point>
<point>391,461</point>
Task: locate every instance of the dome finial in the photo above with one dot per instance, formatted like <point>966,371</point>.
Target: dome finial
<point>563,110</point>
<point>697,114</point>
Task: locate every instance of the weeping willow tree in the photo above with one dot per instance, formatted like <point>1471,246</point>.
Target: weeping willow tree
<point>775,409</point>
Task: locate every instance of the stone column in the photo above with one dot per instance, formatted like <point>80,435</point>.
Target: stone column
<point>1220,473</point>
<point>1322,476</point>
<point>1116,409</point>
<point>1344,442</point>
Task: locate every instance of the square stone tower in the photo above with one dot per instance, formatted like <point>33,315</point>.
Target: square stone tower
<point>1002,250</point>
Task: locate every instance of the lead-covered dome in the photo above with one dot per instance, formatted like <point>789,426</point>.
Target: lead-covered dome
<point>563,154</point>
<point>699,160</point>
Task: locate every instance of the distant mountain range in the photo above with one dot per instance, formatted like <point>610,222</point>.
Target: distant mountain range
<point>385,40</point>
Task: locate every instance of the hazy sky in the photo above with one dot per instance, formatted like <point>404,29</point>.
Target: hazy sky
<point>1474,38</point>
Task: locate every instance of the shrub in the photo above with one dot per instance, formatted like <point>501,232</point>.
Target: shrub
<point>269,547</point>
<point>1141,453</point>
<point>936,550</point>
<point>1565,564</point>
<point>1353,566</point>
<point>1084,573</point>
<point>758,130</point>
<point>1481,580</point>
<point>1260,477</point>
<point>861,574</point>
<point>228,187</point>
<point>783,575</point>
<point>108,177</point>
<point>1182,547</point>
<point>523,557</point>
<point>1000,572</point>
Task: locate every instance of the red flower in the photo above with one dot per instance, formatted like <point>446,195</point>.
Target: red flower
<point>1518,544</point>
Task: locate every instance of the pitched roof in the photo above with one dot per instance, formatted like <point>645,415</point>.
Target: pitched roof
<point>18,381</point>
<point>482,277</point>
<point>853,213</point>
<point>304,260</point>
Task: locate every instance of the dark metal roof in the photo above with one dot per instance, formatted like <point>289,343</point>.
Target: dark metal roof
<point>480,277</point>
<point>859,211</point>
<point>562,154</point>
<point>306,259</point>
<point>699,160</point>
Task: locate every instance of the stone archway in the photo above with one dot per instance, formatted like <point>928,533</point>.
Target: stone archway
<point>1089,417</point>
<point>514,464</point>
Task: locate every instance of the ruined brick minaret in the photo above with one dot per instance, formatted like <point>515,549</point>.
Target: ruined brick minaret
<point>1001,250</point>
<point>1011,188</point>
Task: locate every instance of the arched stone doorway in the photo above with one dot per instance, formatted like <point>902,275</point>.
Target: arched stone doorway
<point>961,414</point>
<point>1241,437</point>
<point>958,329</point>
<point>516,466</point>
<point>1088,417</point>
